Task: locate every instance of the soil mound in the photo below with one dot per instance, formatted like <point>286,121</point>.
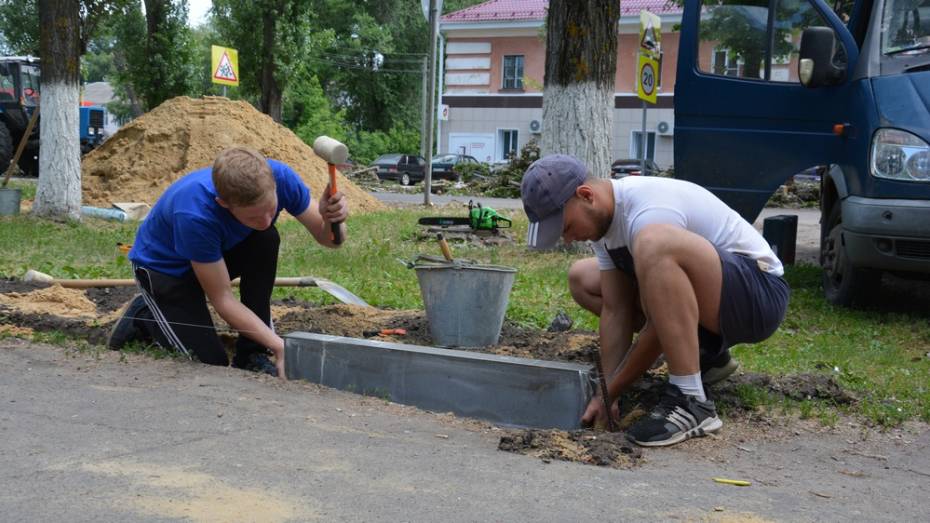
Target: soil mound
<point>54,300</point>
<point>184,134</point>
<point>604,449</point>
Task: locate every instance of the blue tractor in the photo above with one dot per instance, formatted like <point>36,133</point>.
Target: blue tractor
<point>19,98</point>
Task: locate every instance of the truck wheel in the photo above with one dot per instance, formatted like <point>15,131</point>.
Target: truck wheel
<point>6,148</point>
<point>843,284</point>
<point>405,179</point>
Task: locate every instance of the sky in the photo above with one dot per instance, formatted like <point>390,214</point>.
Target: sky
<point>197,11</point>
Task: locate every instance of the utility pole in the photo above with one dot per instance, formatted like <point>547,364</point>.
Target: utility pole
<point>431,98</point>
<point>424,130</point>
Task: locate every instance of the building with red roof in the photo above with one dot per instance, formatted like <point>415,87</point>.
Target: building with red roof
<point>493,64</point>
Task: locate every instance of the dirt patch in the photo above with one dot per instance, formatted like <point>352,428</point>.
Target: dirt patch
<point>798,387</point>
<point>54,300</point>
<point>184,134</point>
<point>111,299</point>
<point>355,321</point>
<point>88,315</point>
<point>8,285</point>
<point>14,330</point>
<point>78,328</point>
<point>603,449</point>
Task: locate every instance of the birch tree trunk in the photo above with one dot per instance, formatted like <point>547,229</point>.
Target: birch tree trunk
<point>578,97</point>
<point>58,194</point>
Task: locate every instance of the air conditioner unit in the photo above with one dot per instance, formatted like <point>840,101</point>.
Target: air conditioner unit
<point>535,126</point>
<point>664,129</point>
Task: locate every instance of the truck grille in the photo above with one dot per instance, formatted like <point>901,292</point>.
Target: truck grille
<point>913,249</point>
<point>96,119</point>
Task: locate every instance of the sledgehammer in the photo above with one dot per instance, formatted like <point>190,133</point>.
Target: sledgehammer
<point>334,152</point>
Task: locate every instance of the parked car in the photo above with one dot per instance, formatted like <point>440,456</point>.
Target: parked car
<point>632,167</point>
<point>405,168</point>
<point>444,165</point>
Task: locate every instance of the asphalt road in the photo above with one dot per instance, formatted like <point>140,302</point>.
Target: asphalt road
<point>94,437</point>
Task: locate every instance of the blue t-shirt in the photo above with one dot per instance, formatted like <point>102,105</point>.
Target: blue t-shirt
<point>188,225</point>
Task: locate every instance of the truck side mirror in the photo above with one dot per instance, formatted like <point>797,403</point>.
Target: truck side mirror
<point>816,67</point>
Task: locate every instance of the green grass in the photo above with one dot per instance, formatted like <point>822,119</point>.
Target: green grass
<point>880,356</point>
<point>27,188</point>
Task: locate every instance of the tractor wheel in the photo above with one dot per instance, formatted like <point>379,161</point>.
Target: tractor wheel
<point>843,284</point>
<point>6,148</point>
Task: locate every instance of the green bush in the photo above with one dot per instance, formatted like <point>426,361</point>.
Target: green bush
<point>365,146</point>
<point>467,171</point>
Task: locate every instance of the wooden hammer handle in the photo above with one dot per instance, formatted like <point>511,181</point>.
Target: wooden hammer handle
<point>336,231</point>
<point>444,247</point>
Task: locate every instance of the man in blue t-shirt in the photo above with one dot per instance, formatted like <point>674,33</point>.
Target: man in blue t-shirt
<point>208,228</point>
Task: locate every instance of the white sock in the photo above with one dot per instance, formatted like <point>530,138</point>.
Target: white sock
<point>690,385</point>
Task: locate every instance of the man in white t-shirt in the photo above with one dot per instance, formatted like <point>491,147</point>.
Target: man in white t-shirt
<point>675,262</point>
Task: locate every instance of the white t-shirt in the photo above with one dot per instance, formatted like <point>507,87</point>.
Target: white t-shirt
<point>645,200</point>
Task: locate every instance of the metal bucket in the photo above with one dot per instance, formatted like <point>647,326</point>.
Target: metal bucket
<point>465,304</point>
<point>9,201</point>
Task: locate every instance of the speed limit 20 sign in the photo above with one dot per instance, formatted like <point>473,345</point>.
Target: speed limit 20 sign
<point>647,78</point>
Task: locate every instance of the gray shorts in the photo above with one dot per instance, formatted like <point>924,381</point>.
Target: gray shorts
<point>753,303</point>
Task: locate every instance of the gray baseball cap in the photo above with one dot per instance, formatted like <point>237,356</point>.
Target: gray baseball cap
<point>547,185</point>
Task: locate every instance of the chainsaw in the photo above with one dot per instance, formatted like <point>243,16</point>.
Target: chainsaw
<point>479,218</point>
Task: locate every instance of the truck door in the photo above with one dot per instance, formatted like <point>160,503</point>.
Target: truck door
<point>743,121</point>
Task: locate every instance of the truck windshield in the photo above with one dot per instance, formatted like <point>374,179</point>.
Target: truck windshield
<point>30,80</point>
<point>906,27</point>
<point>7,87</point>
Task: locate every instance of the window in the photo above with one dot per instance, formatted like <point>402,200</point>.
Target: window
<point>732,41</point>
<point>636,145</point>
<point>30,79</point>
<point>508,140</point>
<point>724,63</point>
<point>7,89</point>
<point>513,72</point>
<point>736,40</point>
<point>902,30</point>
<point>792,17</point>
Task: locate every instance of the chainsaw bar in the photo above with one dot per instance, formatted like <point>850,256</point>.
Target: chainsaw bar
<point>444,221</point>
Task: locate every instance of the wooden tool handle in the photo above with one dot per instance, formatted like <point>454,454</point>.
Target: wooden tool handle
<point>444,247</point>
<point>336,231</point>
<point>22,145</point>
<point>302,281</point>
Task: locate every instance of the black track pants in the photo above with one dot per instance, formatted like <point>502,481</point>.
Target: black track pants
<point>177,314</point>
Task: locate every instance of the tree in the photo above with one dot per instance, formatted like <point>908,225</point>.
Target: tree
<point>153,53</point>
<point>372,66</point>
<point>58,194</point>
<point>168,69</point>
<point>271,37</point>
<point>578,97</point>
<point>19,23</point>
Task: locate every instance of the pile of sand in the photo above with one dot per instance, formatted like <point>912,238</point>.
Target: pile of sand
<point>183,134</point>
<point>56,300</point>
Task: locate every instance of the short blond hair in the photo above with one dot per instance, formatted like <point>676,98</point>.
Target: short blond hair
<point>242,176</point>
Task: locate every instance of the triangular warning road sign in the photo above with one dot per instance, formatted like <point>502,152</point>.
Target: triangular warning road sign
<point>649,38</point>
<point>225,71</point>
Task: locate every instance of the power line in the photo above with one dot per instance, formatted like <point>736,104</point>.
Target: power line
<point>364,68</point>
